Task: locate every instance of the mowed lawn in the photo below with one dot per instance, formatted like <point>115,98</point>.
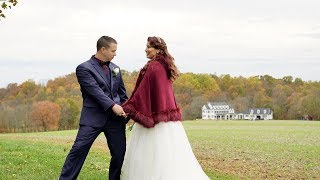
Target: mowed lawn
<point>225,150</point>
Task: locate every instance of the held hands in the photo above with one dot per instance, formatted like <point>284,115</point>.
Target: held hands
<point>118,110</point>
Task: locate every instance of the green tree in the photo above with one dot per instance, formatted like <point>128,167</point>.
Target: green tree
<point>225,82</point>
<point>287,79</point>
<point>186,87</point>
<point>298,82</point>
<point>29,88</point>
<point>69,113</point>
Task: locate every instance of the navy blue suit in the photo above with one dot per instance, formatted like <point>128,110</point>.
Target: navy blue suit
<point>100,92</point>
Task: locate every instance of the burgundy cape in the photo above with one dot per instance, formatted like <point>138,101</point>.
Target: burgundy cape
<point>152,101</point>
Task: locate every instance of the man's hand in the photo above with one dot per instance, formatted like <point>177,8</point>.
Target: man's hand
<point>118,110</point>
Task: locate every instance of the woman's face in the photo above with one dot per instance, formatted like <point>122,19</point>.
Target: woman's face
<point>151,52</point>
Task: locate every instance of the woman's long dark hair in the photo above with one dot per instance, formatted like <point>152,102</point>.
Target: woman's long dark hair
<point>168,60</point>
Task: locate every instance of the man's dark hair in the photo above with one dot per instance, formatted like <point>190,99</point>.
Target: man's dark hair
<point>105,41</point>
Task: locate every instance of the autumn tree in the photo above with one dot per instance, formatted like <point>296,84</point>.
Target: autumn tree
<point>28,89</point>
<point>280,96</point>
<point>193,109</point>
<point>41,95</point>
<point>268,83</point>
<point>260,99</point>
<point>241,104</point>
<point>185,88</point>
<point>129,79</point>
<point>46,114</point>
<point>311,104</point>
<point>296,109</point>
<point>288,98</point>
<point>225,81</point>
<point>6,118</point>
<point>12,90</point>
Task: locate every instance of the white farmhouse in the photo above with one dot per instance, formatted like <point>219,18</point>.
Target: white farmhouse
<point>217,110</point>
<point>221,110</point>
<point>258,114</point>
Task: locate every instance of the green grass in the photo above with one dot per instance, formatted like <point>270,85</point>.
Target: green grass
<point>225,150</point>
<point>260,149</point>
<point>27,159</point>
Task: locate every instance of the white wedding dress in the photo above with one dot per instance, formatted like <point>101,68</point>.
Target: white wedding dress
<point>160,153</point>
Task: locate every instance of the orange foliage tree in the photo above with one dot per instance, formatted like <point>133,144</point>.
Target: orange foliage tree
<point>46,114</point>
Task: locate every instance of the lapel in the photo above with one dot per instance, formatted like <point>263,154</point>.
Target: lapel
<point>111,67</point>
<point>98,68</point>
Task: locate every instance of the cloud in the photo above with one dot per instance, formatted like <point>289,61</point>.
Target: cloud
<point>55,36</point>
<point>313,35</point>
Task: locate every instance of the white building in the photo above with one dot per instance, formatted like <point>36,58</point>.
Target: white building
<point>221,110</point>
<point>217,110</point>
<point>258,114</point>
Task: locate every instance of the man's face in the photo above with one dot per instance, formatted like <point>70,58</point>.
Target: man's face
<point>109,53</point>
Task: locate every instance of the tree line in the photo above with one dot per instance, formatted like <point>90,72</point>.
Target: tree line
<point>29,107</point>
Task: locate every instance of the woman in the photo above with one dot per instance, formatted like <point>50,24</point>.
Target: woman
<point>158,148</point>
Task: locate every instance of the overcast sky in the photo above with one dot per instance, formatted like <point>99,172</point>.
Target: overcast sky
<point>42,39</point>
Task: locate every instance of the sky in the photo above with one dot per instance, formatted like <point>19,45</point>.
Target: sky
<point>42,39</point>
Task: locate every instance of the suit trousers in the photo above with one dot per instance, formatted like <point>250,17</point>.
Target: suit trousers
<point>114,132</point>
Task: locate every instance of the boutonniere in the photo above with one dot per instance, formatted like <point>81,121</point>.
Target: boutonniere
<point>115,71</point>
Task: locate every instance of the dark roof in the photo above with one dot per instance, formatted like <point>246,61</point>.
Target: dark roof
<point>258,111</point>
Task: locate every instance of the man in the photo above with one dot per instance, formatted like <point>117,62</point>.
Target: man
<point>103,92</point>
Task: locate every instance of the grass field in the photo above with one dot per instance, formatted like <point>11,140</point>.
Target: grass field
<point>225,150</point>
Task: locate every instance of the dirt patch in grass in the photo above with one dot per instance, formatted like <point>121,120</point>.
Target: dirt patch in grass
<point>254,168</point>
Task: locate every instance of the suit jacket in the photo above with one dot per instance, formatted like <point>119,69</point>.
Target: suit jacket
<point>100,93</point>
